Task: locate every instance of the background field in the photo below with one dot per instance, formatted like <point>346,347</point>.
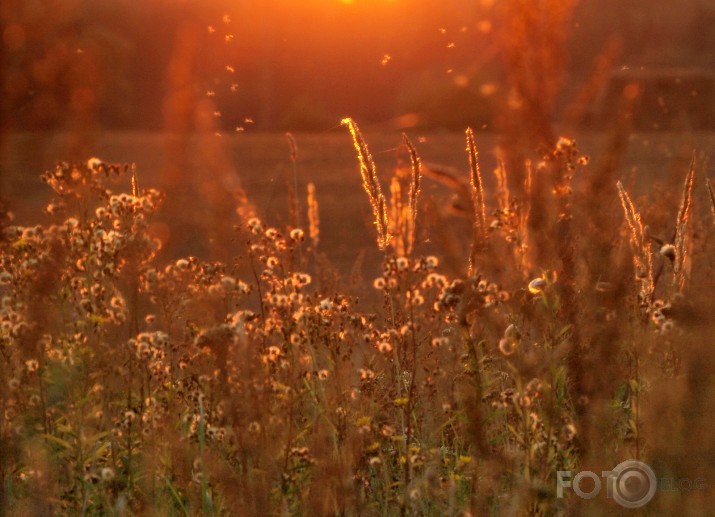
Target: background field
<point>548,357</point>
<point>260,162</point>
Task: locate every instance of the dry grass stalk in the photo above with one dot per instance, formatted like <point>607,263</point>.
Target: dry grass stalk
<point>370,183</point>
<point>536,60</point>
<point>398,218</point>
<point>642,260</point>
<point>478,204</point>
<point>475,180</point>
<point>524,214</point>
<point>602,67</point>
<point>502,193</point>
<point>135,188</point>
<point>293,190</point>
<point>244,208</point>
<point>681,226</point>
<point>414,193</point>
<point>293,146</point>
<point>449,176</point>
<point>527,190</point>
<point>712,198</point>
<point>313,216</point>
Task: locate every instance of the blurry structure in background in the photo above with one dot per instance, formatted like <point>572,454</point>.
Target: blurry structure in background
<point>665,99</point>
<point>58,71</point>
<point>535,64</point>
<point>62,68</point>
<point>198,172</point>
<point>181,100</point>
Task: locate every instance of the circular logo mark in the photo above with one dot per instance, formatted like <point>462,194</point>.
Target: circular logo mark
<point>635,484</point>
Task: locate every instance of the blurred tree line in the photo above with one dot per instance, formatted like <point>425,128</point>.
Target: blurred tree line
<point>121,64</point>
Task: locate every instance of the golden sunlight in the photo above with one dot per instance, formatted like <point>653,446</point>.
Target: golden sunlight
<point>247,267</point>
<point>351,2</point>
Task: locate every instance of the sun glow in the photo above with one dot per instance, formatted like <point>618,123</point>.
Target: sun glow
<point>352,2</point>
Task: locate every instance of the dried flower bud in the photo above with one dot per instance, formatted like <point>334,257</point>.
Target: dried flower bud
<point>668,250</point>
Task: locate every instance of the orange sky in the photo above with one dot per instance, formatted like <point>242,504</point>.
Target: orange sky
<point>339,54</point>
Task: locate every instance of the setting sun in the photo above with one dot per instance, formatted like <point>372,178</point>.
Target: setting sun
<point>348,2</point>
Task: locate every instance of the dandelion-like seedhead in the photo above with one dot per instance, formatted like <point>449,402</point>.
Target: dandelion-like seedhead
<point>266,371</point>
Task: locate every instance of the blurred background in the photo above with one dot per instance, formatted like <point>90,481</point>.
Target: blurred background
<point>199,93</point>
<point>289,65</point>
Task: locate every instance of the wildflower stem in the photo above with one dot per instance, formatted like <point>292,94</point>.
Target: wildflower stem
<point>478,204</point>
<point>411,393</point>
<point>711,197</point>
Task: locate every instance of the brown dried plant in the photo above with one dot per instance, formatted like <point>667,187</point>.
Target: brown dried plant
<point>313,216</point>
<point>681,226</point>
<point>711,197</point>
<point>415,186</point>
<point>370,183</point>
<point>135,188</point>
<point>275,393</point>
<point>478,204</point>
<point>535,34</point>
<point>403,213</point>
<point>502,188</point>
<point>398,217</point>
<point>526,212</point>
<point>293,188</point>
<point>642,260</point>
<point>449,177</point>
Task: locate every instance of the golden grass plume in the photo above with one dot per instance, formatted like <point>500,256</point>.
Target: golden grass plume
<point>294,213</point>
<point>475,180</point>
<point>712,197</point>
<point>413,194</point>
<point>370,182</point>
<point>681,226</point>
<point>478,203</point>
<point>313,216</point>
<point>642,260</point>
<point>135,188</point>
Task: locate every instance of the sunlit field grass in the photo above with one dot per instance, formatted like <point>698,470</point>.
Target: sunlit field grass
<point>260,163</point>
<point>430,331</point>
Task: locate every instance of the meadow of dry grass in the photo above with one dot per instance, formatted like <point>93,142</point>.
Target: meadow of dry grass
<point>228,346</point>
<point>260,163</point>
